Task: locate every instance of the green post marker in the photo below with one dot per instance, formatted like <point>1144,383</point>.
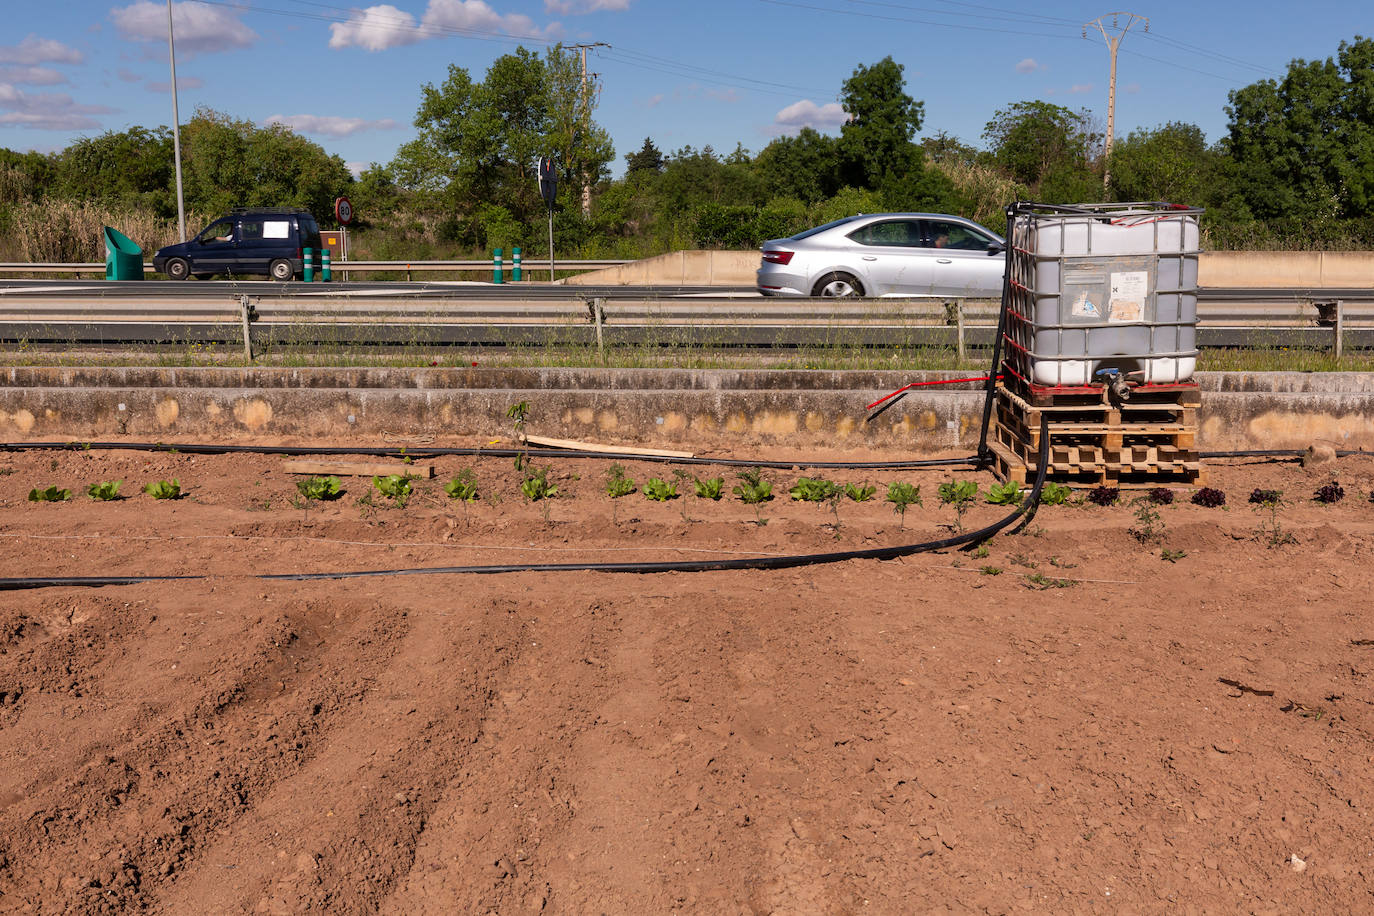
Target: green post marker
<point>496,266</point>
<point>308,271</point>
<point>324,265</point>
<point>515,271</point>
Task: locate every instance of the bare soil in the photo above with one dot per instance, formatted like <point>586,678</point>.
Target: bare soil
<point>1068,724</point>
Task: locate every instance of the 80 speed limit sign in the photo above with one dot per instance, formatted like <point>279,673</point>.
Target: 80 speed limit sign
<point>343,210</point>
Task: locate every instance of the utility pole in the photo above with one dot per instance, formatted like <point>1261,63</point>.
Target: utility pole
<point>586,114</point>
<point>176,124</point>
<point>1118,32</point>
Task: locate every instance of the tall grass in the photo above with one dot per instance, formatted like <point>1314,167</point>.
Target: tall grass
<point>65,231</point>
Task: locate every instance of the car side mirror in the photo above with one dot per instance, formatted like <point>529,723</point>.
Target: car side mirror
<point>994,249</point>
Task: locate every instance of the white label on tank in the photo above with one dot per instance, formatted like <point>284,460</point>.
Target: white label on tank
<point>276,229</point>
<point>1129,289</point>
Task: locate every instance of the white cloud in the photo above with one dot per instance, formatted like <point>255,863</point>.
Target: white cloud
<point>329,125</point>
<point>183,82</point>
<point>1080,88</point>
<point>35,50</point>
<point>807,113</point>
<point>46,111</point>
<point>31,76</point>
<point>1029,65</point>
<point>375,29</point>
<point>581,7</point>
<point>197,27</point>
<point>357,167</point>
<point>476,15</point>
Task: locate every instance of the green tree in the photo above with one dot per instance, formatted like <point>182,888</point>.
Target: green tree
<point>648,159</point>
<point>1303,147</point>
<point>132,167</point>
<point>1046,147</point>
<point>805,166</point>
<point>876,142</point>
<point>1171,163</point>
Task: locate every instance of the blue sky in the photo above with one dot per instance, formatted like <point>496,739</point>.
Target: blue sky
<point>705,72</point>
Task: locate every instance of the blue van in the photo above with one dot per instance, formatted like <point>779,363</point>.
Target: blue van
<point>266,241</point>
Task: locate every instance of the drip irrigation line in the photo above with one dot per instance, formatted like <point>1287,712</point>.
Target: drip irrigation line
<point>426,452</point>
<point>794,561</point>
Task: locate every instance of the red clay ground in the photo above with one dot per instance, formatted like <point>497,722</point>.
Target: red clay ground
<point>910,736</point>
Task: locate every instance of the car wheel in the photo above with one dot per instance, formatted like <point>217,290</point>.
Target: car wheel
<point>178,269</point>
<point>838,283</point>
<point>281,270</point>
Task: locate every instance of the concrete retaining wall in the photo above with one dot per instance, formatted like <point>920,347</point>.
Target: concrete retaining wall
<point>1217,269</point>
<point>722,410</point>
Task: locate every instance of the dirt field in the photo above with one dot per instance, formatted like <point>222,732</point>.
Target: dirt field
<point>1067,724</point>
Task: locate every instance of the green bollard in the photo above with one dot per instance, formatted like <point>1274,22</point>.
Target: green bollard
<point>324,265</point>
<point>308,270</point>
<point>496,266</point>
<point>515,271</point>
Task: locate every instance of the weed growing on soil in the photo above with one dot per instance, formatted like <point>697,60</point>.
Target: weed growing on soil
<point>901,495</point>
<point>709,489</point>
<point>463,487</point>
<point>1062,564</point>
<point>517,414</point>
<point>1054,494</point>
<point>1209,498</point>
<point>1329,493</point>
<point>813,490</point>
<point>49,495</point>
<point>1103,495</point>
<point>989,571</point>
<point>863,492</point>
<point>754,491</point>
<point>106,491</point>
<point>395,487</point>
<point>1149,524</point>
<point>1172,556</point>
<point>659,490</point>
<point>164,489</point>
<point>960,494</point>
<point>617,484</point>
<point>1270,531</point>
<point>981,552</point>
<point>1020,559</point>
<point>1040,582</point>
<point>1005,494</point>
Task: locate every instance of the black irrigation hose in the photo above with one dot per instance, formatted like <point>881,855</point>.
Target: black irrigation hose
<point>1027,509</point>
<point>407,452</point>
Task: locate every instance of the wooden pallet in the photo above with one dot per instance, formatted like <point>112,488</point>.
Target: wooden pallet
<point>1182,394</point>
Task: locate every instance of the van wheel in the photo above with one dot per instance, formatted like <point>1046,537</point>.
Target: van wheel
<point>838,283</point>
<point>281,270</point>
<point>178,269</point>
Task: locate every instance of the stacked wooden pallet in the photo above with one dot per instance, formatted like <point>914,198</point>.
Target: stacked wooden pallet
<point>1145,441</point>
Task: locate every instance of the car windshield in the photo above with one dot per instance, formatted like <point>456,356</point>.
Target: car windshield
<point>830,225</point>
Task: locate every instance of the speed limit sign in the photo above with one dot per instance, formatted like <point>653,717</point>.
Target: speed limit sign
<point>343,210</point>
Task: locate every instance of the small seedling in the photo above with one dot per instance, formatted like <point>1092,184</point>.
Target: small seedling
<point>860,493</point>
<point>106,491</point>
<point>1005,494</point>
<point>813,490</point>
<point>960,494</point>
<point>1329,493</point>
<point>395,487</point>
<point>617,484</point>
<point>1041,582</point>
<point>709,489</point>
<point>1103,496</point>
<point>1062,564</point>
<point>536,486</point>
<point>49,495</point>
<point>1020,559</point>
<point>1149,524</point>
<point>1172,556</point>
<point>981,552</point>
<point>164,489</point>
<point>901,495</point>
<point>659,490</point>
<point>463,487</point>
<point>989,571</point>
<point>517,414</point>
<point>1270,529</point>
<point>1055,494</point>
<point>324,488</point>
<point>1209,498</point>
<point>754,491</point>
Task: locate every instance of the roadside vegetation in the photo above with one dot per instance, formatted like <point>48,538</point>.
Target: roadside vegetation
<point>1291,172</point>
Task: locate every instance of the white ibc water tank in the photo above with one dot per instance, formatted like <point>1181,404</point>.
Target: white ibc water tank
<point>1111,291</point>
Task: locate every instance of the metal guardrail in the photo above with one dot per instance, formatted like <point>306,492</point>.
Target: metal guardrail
<point>98,267</point>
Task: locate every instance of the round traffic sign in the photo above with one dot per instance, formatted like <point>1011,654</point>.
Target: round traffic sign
<point>343,210</point>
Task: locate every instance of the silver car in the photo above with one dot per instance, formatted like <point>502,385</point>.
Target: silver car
<point>886,254</point>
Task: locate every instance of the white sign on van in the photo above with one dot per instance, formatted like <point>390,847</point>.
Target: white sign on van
<point>276,229</point>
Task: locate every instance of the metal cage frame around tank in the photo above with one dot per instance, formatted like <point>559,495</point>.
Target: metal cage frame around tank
<point>1021,298</point>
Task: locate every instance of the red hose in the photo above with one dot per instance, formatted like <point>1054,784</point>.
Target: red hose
<point>948,381</point>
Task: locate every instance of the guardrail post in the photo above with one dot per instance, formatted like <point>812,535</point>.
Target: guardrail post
<point>1331,313</point>
<point>954,311</point>
<point>247,314</point>
<point>596,309</point>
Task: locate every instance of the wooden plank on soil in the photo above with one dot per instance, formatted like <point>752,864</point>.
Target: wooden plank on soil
<point>356,469</point>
